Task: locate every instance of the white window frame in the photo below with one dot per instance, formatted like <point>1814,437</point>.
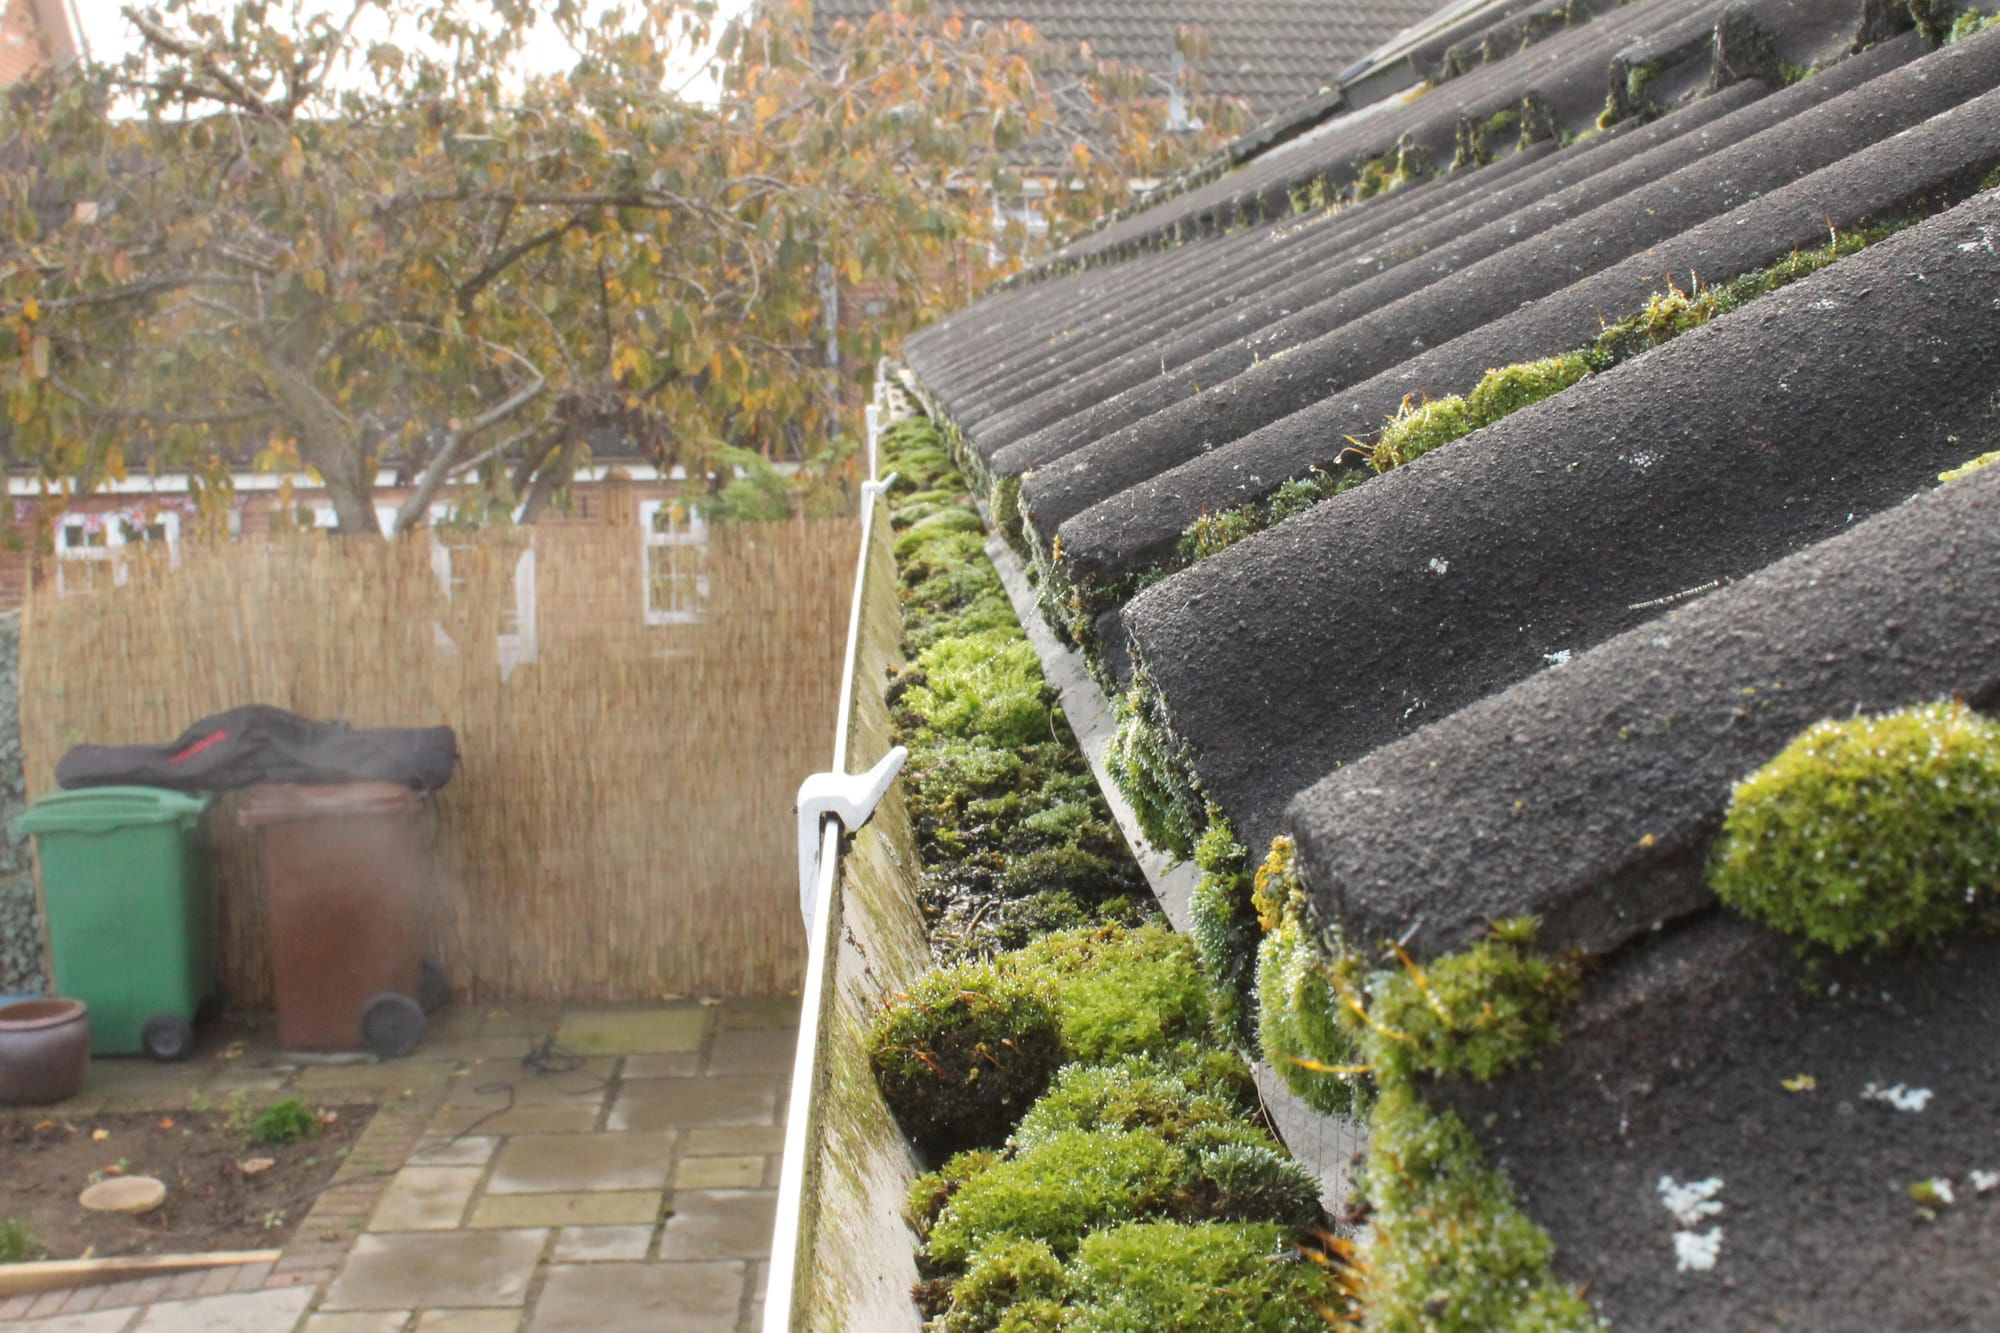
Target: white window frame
<point>113,527</point>
<point>689,535</point>
<point>325,519</point>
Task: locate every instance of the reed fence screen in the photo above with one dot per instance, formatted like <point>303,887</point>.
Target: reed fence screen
<point>633,722</point>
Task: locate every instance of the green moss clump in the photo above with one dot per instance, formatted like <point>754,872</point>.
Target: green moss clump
<point>1449,1251</point>
<point>1667,315</point>
<point>941,521</point>
<point>1139,1092</point>
<point>1006,503</point>
<point>1392,170</point>
<point>987,685</point>
<point>962,1054</point>
<point>1211,533</point>
<point>1224,926</point>
<point>1478,1012</point>
<point>1214,533</point>
<point>1243,1179</point>
<point>1121,991</point>
<point>1038,1315</point>
<point>1935,19</point>
<point>1877,831</point>
<point>1146,764</point>
<point>1057,1192</point>
<point>1275,892</point>
<point>1416,429</point>
<point>1147,1277</point>
<point>1969,22</point>
<point>1966,469</point>
<point>999,1278</point>
<point>930,1192</point>
<point>1298,1022</point>
<point>1507,390</point>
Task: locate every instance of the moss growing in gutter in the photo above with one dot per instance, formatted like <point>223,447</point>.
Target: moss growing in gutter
<point>1014,836</point>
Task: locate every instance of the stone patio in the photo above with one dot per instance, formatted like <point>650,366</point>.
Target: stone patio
<point>628,1183</point>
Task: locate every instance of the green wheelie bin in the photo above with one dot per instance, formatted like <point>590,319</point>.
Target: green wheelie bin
<point>130,910</point>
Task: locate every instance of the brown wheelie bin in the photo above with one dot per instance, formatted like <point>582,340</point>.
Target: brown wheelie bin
<point>348,876</point>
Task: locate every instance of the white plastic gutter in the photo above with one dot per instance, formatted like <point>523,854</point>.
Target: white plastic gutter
<point>830,804</point>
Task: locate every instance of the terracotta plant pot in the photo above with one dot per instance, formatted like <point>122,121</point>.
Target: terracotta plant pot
<point>44,1051</point>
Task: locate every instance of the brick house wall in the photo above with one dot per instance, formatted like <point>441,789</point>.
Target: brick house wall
<point>33,33</point>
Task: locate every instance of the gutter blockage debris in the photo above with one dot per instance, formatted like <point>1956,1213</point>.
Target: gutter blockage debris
<point>1102,1163</point>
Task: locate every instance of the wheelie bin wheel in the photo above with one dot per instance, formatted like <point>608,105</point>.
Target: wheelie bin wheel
<point>167,1037</point>
<point>392,1024</point>
<point>433,986</point>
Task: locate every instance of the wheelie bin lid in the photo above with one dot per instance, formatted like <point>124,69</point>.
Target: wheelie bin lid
<point>288,802</point>
<point>102,809</point>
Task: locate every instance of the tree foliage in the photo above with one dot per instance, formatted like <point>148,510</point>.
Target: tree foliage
<point>372,239</point>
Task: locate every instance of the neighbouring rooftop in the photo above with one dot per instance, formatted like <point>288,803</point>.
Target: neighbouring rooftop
<point>1475,485</point>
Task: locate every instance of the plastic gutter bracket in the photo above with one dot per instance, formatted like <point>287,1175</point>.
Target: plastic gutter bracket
<point>849,798</point>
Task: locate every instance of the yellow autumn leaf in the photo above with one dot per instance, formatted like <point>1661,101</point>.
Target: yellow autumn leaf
<point>32,311</point>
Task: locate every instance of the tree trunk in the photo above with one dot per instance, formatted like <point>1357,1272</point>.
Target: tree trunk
<point>327,443</point>
<point>552,474</point>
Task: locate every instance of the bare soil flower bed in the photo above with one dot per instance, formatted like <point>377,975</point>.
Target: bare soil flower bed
<point>212,1203</point>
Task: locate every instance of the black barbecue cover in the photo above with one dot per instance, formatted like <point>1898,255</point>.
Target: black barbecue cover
<point>261,744</point>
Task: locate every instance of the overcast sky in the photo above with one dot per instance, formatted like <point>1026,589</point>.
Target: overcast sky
<point>111,37</point>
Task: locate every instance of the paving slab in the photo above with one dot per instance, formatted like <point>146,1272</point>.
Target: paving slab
<point>468,1321</point>
<point>634,1031</point>
<point>662,1064</point>
<point>100,1321</point>
<point>546,1163</point>
<point>425,1198</point>
<point>714,1099</point>
<point>771,1012</point>
<point>497,1083</point>
<point>383,1075</point>
<point>589,1208</point>
<point>588,1244</point>
<point>446,1268</point>
<point>688,1298</point>
<point>719,1224</point>
<point>442,1150</point>
<point>520,1020</point>
<point>571,1118</point>
<point>364,1321</point>
<point>244,1312</point>
<point>737,1172</point>
<point>731,1140</point>
<point>751,1051</point>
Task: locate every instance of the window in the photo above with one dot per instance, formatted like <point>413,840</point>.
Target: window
<point>674,544</point>
<point>90,548</point>
<point>519,639</point>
